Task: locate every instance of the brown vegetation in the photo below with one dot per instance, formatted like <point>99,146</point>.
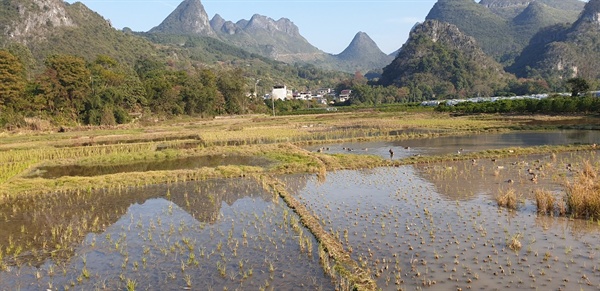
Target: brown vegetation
<point>508,199</point>
<point>345,267</point>
<point>583,194</point>
<point>545,201</point>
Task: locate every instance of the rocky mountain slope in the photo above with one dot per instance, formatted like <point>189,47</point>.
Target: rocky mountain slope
<point>439,59</point>
<point>565,51</point>
<point>504,27</point>
<point>37,28</point>
<point>188,18</point>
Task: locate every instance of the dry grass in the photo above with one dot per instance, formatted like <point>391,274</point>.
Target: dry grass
<point>583,194</point>
<point>508,199</point>
<point>545,201</point>
<point>514,242</point>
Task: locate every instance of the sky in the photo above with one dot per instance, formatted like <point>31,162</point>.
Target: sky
<point>329,25</point>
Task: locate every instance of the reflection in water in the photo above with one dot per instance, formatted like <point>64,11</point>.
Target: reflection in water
<point>410,236</point>
<point>464,144</point>
<point>50,223</point>
<point>54,172</point>
<point>217,233</point>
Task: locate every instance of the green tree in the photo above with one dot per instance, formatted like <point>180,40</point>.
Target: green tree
<point>115,87</point>
<point>65,85</point>
<point>12,81</point>
<point>578,85</point>
<point>232,85</point>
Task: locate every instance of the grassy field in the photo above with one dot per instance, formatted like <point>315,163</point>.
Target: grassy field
<point>275,138</point>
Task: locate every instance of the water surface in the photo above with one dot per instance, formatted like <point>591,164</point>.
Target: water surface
<point>211,235</point>
<point>463,144</point>
<point>413,230</point>
<point>53,172</point>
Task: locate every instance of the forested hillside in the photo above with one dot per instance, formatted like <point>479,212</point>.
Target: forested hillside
<point>564,51</point>
<point>54,70</point>
<point>504,27</point>
<point>439,61</point>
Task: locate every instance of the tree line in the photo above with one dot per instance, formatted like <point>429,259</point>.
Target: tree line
<point>373,93</point>
<point>71,90</point>
<point>552,105</point>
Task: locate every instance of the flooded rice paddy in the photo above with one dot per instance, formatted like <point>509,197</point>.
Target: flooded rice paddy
<point>213,235</point>
<point>53,172</point>
<point>429,226</point>
<point>439,226</point>
<point>462,144</point>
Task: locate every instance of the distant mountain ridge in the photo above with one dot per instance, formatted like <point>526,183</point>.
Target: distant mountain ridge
<point>277,39</point>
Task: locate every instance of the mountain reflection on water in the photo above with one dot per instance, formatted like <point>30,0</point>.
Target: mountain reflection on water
<point>221,234</point>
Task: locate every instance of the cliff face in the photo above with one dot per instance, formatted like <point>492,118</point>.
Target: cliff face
<point>277,39</point>
<point>34,19</point>
<point>259,23</point>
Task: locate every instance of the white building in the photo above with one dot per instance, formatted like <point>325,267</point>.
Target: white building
<point>280,92</point>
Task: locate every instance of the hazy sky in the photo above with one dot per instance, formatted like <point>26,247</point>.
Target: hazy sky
<point>329,25</point>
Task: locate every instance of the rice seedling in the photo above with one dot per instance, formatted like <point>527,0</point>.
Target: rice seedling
<point>130,285</point>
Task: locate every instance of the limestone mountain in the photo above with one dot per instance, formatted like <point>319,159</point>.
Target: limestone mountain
<point>32,21</point>
<point>441,61</point>
<point>35,29</point>
<point>565,51</point>
<point>277,39</point>
<point>491,31</point>
<point>188,18</point>
<point>509,9</point>
<point>504,27</point>
<point>363,53</point>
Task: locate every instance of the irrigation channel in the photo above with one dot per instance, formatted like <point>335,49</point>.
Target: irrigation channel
<point>430,226</point>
